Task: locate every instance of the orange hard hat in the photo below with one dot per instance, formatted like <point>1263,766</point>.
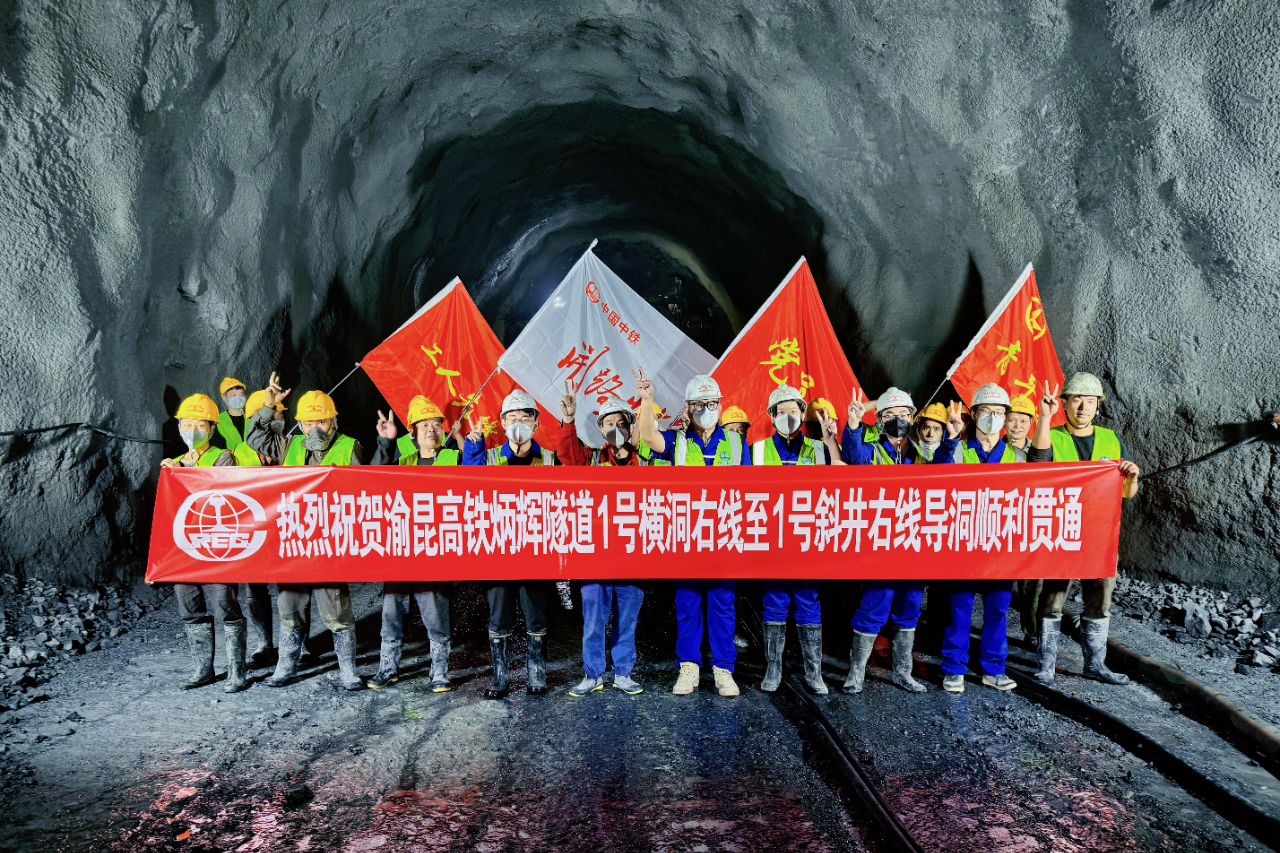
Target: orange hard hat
<point>256,401</point>
<point>1024,405</point>
<point>199,407</point>
<point>227,384</point>
<point>420,409</point>
<point>316,406</point>
<point>934,412</point>
<point>734,415</point>
<point>820,404</point>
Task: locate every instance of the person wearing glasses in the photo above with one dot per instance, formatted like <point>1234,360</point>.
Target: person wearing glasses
<point>705,442</point>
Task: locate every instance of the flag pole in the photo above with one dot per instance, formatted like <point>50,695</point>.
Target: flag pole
<point>331,390</point>
<point>474,399</point>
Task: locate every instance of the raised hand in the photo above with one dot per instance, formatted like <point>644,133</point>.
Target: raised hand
<point>386,425</point>
<point>830,427</point>
<point>856,407</point>
<point>644,387</point>
<point>568,403</point>
<point>274,395</point>
<point>168,463</point>
<point>1049,403</point>
<point>955,419</point>
<point>475,429</point>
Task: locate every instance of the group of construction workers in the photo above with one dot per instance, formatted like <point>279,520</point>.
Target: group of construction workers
<point>251,430</point>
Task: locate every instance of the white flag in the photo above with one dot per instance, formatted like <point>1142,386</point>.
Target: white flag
<point>593,331</point>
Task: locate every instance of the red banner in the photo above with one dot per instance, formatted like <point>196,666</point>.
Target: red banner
<point>324,524</point>
<point>789,340</point>
<point>1012,349</point>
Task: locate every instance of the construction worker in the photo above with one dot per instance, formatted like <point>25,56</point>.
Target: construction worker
<point>198,604</point>
<point>735,420</point>
<point>790,446</point>
<point>320,443</point>
<point>990,409</point>
<point>884,444</point>
<point>1080,440</point>
<point>427,433</point>
<point>599,597</point>
<point>257,595</point>
<point>233,428</point>
<point>706,444</point>
<point>519,417</point>
<point>931,428</point>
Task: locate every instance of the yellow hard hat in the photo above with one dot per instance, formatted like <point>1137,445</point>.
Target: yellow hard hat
<point>198,407</point>
<point>420,409</point>
<point>657,412</point>
<point>1024,405</point>
<point>821,404</point>
<point>227,384</point>
<point>256,401</point>
<point>734,415</point>
<point>316,406</point>
<point>934,412</point>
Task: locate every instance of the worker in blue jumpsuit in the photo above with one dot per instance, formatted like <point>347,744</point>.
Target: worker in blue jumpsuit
<point>703,442</point>
<point>886,443</point>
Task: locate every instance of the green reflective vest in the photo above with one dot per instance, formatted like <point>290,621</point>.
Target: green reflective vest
<point>1105,445</point>
<point>207,459</point>
<point>599,457</point>
<point>880,456</point>
<point>965,453</point>
<point>645,454</point>
<point>246,456</point>
<point>728,451</point>
<point>227,429</point>
<point>406,445</point>
<point>444,456</point>
<point>339,452</point>
<point>493,456</point>
<point>812,452</point>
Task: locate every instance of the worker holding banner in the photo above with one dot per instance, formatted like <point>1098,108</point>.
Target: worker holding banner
<point>1074,441</point>
<point>426,431</point>
<point>197,418</point>
<point>706,444</point>
<point>790,446</point>
<point>884,444</point>
<point>519,417</point>
<point>320,443</point>
<point>257,595</point>
<point>616,422</point>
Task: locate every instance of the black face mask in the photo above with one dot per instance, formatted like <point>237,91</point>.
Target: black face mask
<point>896,427</point>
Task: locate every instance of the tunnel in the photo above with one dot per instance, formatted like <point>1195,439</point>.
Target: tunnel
<point>207,188</point>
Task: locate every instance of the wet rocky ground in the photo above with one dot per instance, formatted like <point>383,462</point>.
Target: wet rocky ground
<point>119,758</point>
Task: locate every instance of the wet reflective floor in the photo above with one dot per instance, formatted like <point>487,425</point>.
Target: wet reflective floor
<point>310,767</point>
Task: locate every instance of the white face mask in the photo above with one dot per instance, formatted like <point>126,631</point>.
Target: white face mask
<point>707,419</point>
<point>236,402</point>
<point>786,423</point>
<point>519,433</point>
<point>932,446</point>
<point>194,438</point>
<point>990,423</point>
<point>617,436</point>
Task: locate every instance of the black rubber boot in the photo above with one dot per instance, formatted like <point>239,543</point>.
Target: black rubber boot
<point>862,646</point>
<point>259,616</point>
<point>536,665</point>
<point>290,651</point>
<point>775,639</point>
<point>200,641</point>
<point>1047,649</point>
<point>903,643</point>
<point>1095,652</point>
<point>440,682</point>
<point>501,683</point>
<point>344,647</point>
<point>237,679</point>
<point>811,651</point>
<point>388,665</point>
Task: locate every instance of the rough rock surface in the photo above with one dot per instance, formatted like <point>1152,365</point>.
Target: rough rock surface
<point>200,188</point>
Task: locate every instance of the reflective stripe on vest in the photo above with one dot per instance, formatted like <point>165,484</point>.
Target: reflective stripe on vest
<point>728,451</point>
<point>599,457</point>
<point>645,454</point>
<point>406,445</point>
<point>246,456</point>
<point>965,453</point>
<point>339,452</point>
<point>1105,445</point>
<point>227,429</point>
<point>444,456</point>
<point>494,456</point>
<point>812,452</point>
<point>207,459</point>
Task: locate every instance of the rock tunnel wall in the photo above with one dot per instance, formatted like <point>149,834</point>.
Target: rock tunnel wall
<point>200,188</point>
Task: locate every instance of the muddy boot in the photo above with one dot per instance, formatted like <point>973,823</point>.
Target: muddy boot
<point>388,665</point>
<point>811,651</point>
<point>235,637</point>
<point>1047,649</point>
<point>536,665</point>
<point>440,682</point>
<point>862,646</point>
<point>687,680</point>
<point>1095,652</point>
<point>259,616</point>
<point>501,683</point>
<point>775,638</point>
<point>306,658</point>
<point>903,642</point>
<point>344,647</point>
<point>290,651</point>
<point>200,641</point>
<point>725,685</point>
<point>999,682</point>
<point>739,641</point>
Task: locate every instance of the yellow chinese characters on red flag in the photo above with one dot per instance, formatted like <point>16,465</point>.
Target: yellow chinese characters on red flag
<point>1013,349</point>
<point>790,339</point>
<point>445,352</point>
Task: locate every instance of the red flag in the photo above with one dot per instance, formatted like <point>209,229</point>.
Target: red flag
<point>445,352</point>
<point>789,340</point>
<point>1013,349</point>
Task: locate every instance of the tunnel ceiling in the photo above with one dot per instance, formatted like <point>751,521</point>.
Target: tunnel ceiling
<point>202,188</point>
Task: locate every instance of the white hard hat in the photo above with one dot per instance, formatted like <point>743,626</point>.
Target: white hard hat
<point>783,393</point>
<point>613,407</point>
<point>1084,385</point>
<point>990,394</point>
<point>518,400</point>
<point>701,387</point>
<point>895,397</point>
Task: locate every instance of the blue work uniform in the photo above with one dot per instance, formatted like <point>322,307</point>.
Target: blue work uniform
<point>781,594</point>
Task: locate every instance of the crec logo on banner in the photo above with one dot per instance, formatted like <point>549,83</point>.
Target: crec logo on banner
<point>218,525</point>
<point>593,291</point>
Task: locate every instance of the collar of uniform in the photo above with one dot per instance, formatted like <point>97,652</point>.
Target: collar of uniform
<point>790,445</point>
<point>716,437</point>
<point>997,451</point>
<point>534,449</point>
